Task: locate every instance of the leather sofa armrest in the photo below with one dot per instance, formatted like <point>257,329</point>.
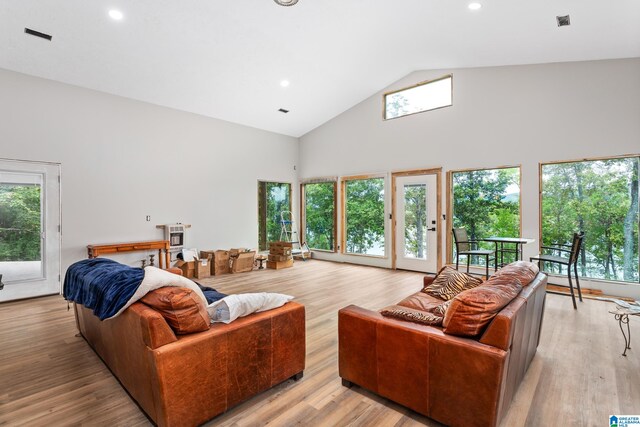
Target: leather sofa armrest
<point>428,279</point>
<point>156,332</point>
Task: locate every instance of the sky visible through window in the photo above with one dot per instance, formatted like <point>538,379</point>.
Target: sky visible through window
<point>425,97</point>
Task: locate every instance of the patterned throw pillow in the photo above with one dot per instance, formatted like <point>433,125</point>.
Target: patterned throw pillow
<point>450,282</point>
<point>411,315</point>
<point>441,310</point>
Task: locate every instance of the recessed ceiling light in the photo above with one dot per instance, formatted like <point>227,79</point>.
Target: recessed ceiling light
<point>115,14</point>
<point>474,6</point>
<point>286,2</point>
<point>284,83</point>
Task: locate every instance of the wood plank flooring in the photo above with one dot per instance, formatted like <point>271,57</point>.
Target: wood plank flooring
<point>48,376</point>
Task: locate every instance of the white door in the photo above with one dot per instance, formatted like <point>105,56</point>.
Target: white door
<point>29,229</point>
<point>416,223</point>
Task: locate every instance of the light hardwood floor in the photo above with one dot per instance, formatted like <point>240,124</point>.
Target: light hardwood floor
<point>48,376</point>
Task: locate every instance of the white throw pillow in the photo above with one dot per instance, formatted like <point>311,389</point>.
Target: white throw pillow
<point>155,278</point>
<point>231,307</point>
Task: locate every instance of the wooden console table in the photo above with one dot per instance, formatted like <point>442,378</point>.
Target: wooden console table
<point>95,251</point>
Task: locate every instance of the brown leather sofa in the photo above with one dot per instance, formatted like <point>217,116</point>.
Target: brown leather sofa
<point>458,381</point>
<point>185,380</point>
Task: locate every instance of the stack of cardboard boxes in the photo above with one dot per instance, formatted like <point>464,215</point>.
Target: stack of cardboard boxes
<point>280,255</point>
<point>215,263</point>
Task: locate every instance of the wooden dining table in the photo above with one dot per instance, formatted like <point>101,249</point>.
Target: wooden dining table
<point>500,250</point>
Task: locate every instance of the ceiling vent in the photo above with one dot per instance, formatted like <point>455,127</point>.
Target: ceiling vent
<point>282,110</point>
<point>38,34</point>
<point>563,21</point>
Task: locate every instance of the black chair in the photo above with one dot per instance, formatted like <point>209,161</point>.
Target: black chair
<point>570,260</point>
<point>469,248</point>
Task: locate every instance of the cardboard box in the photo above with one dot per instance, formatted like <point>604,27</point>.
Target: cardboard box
<point>221,260</point>
<point>202,268</point>
<point>280,251</point>
<point>280,244</point>
<point>280,248</point>
<point>188,268</point>
<point>278,265</point>
<point>235,251</point>
<point>279,258</point>
<point>243,262</point>
<point>210,255</point>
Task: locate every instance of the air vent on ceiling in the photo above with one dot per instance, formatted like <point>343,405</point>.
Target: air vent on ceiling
<point>282,110</point>
<point>38,34</point>
<point>563,20</point>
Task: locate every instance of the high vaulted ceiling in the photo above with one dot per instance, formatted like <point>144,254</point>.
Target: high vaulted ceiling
<point>226,59</point>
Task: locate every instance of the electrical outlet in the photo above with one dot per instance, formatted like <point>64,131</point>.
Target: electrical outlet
<point>148,218</point>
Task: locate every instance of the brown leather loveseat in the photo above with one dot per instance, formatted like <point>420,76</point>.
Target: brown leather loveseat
<point>458,381</point>
<point>185,380</point>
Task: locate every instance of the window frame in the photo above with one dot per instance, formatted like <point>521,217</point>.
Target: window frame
<point>343,213</point>
<point>422,83</point>
<point>303,212</point>
<point>540,189</point>
<point>450,173</point>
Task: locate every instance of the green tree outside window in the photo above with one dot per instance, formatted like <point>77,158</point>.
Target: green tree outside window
<point>599,197</point>
<point>487,203</point>
<point>319,215</point>
<point>364,211</point>
<point>20,222</point>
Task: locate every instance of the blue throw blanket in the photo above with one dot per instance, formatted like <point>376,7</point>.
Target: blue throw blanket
<point>101,284</point>
<point>105,286</point>
<point>210,294</point>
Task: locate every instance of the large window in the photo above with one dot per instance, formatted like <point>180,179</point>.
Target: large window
<point>273,199</point>
<point>363,223</point>
<point>486,202</point>
<point>319,208</point>
<point>425,96</point>
<point>600,198</point>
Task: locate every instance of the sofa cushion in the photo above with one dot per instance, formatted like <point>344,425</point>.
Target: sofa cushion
<point>182,308</point>
<point>411,315</point>
<point>521,271</point>
<point>450,282</point>
<point>421,301</point>
<point>441,309</point>
<point>472,310</point>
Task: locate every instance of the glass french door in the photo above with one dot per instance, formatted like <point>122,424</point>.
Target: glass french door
<point>29,229</point>
<point>416,223</point>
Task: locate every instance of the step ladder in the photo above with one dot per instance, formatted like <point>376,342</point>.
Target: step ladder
<point>289,233</point>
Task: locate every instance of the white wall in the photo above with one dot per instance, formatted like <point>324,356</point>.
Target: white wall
<point>124,159</point>
<point>512,115</point>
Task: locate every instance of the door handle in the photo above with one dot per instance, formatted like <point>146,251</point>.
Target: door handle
<point>431,229</point>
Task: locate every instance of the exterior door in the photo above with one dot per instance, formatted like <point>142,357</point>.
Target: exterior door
<point>416,242</point>
<point>29,229</point>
